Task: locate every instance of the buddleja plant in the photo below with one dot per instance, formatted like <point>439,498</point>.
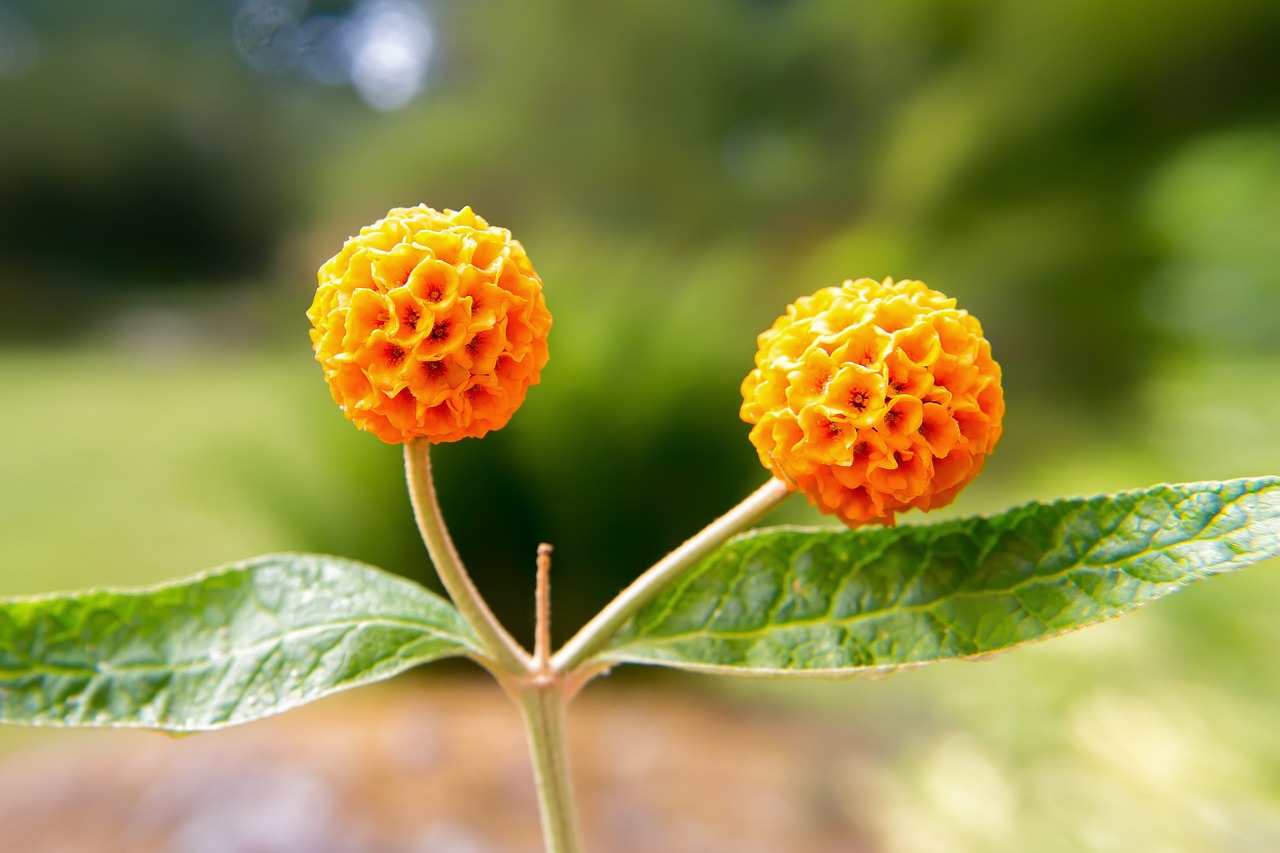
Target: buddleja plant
<point>870,398</point>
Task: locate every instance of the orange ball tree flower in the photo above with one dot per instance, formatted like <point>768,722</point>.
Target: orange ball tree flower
<point>430,324</point>
<point>874,397</point>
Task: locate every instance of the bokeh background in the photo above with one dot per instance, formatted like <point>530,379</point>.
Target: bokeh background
<point>1097,180</point>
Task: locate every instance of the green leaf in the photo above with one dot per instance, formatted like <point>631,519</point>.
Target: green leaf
<point>796,602</point>
<point>228,646</point>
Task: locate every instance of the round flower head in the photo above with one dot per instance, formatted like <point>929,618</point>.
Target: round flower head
<point>874,397</point>
<point>430,324</point>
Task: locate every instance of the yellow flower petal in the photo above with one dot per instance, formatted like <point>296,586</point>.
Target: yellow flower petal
<point>858,392</point>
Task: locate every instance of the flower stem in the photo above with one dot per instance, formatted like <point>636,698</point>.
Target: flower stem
<point>542,685</point>
<point>599,630</point>
<point>426,510</point>
<point>542,706</point>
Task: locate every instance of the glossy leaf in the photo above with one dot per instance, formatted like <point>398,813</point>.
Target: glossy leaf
<point>789,602</point>
<point>237,643</point>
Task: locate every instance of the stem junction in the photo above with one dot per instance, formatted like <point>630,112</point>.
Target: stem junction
<point>542,684</point>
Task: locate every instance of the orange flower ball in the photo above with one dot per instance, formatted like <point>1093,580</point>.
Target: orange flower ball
<point>430,324</point>
<point>874,397</point>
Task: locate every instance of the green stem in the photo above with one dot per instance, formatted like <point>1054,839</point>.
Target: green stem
<point>426,510</point>
<point>542,706</point>
<point>541,687</point>
<point>599,630</point>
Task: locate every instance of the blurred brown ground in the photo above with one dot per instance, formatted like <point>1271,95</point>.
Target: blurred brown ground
<point>441,767</point>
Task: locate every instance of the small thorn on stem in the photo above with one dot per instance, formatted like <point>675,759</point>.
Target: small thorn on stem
<point>542,627</point>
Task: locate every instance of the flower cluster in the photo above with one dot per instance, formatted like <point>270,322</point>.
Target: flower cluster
<point>874,397</point>
<point>430,324</point>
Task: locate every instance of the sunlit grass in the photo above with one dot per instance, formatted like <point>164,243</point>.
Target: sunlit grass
<point>132,467</point>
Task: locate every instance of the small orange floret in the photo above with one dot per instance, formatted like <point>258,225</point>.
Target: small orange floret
<point>874,397</point>
<point>430,324</point>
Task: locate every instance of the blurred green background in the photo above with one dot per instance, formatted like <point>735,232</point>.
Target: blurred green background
<point>1099,182</point>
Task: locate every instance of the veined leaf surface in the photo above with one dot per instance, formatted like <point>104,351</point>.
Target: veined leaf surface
<point>797,602</point>
<point>228,646</point>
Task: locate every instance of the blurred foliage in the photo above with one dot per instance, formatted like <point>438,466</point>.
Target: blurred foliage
<point>666,163</point>
<point>1097,181</point>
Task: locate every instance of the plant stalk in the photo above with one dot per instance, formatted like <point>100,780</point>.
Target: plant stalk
<point>426,510</point>
<point>542,686</point>
<point>542,706</point>
<point>599,630</point>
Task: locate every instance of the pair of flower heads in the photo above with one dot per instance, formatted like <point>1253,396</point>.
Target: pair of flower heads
<point>869,398</point>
